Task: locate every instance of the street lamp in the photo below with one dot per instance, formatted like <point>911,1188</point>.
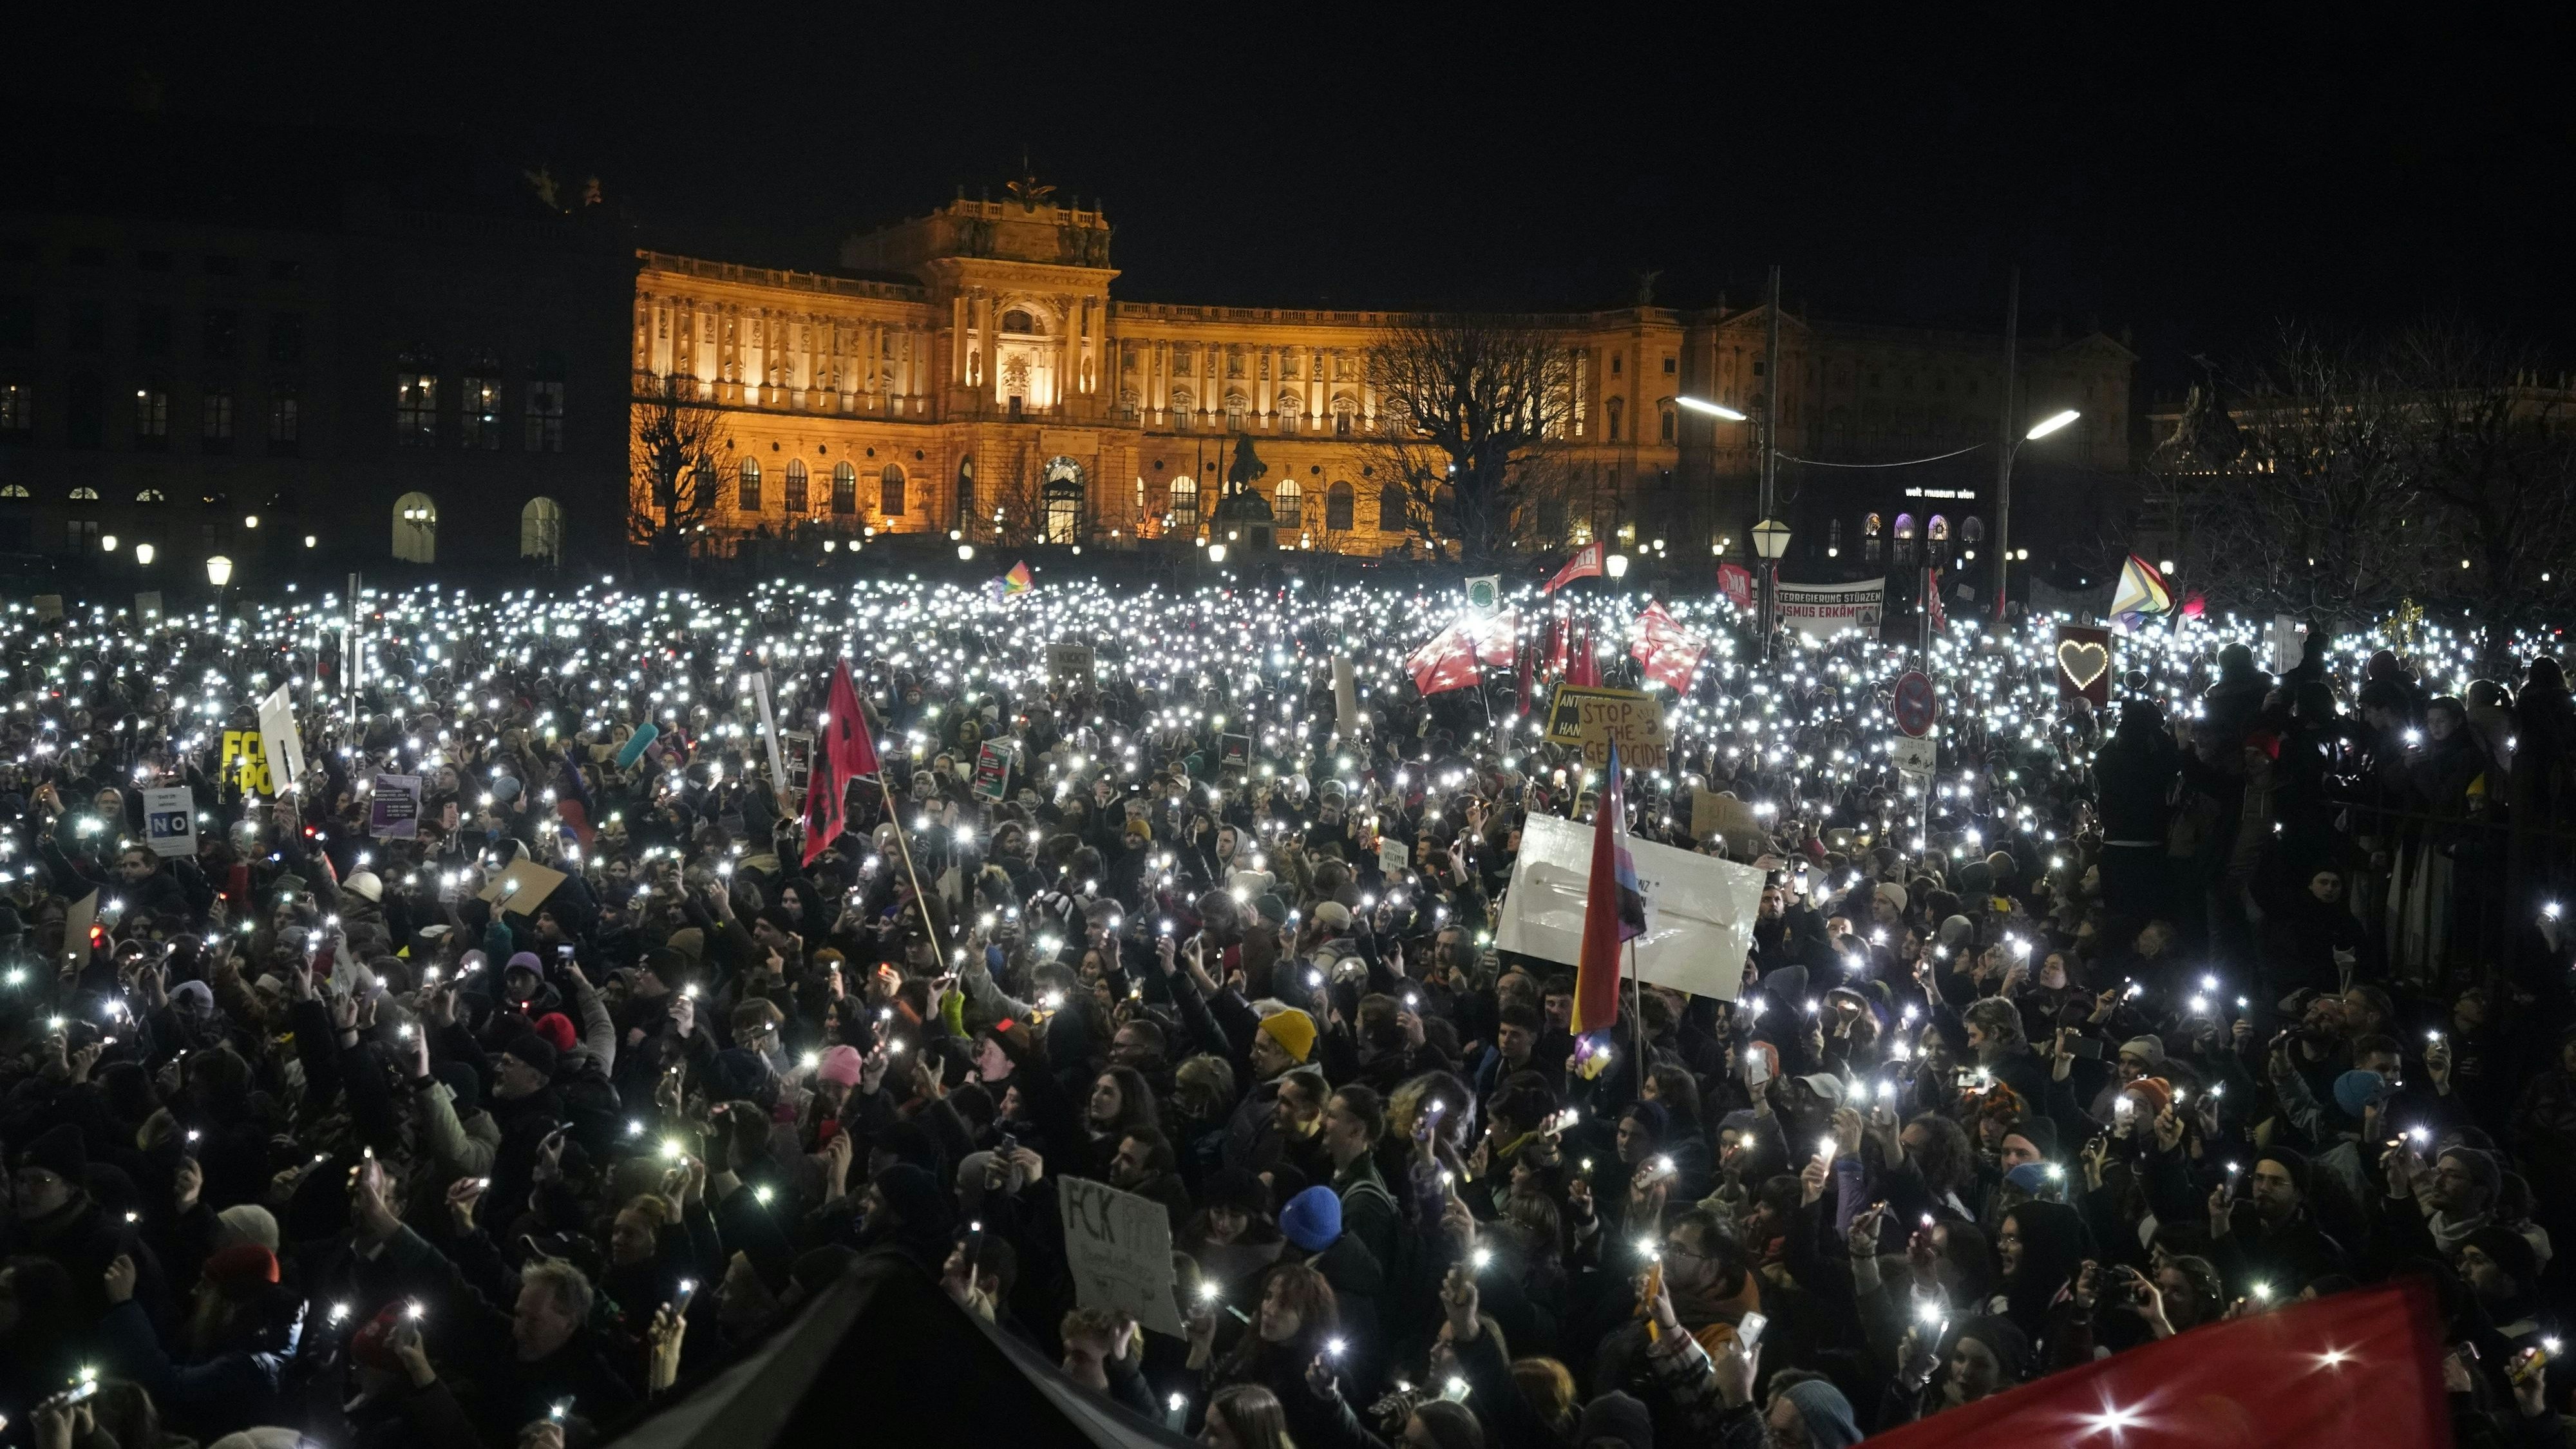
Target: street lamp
<point>1715,410</point>
<point>219,571</point>
<point>143,553</point>
<point>1617,565</point>
<point>1216,553</point>
<point>1770,541</point>
<point>108,543</point>
<point>2054,422</point>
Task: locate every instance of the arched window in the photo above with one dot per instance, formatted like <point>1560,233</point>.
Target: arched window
<point>1064,510</point>
<point>1870,542</point>
<point>747,492</point>
<point>1345,408</point>
<point>1972,529</point>
<point>1285,509</point>
<point>1339,504</point>
<point>795,489</point>
<point>150,495</point>
<point>1904,552</point>
<point>1185,504</point>
<point>1665,420</point>
<point>415,528</point>
<point>85,494</point>
<point>963,492</point>
<point>1834,539</point>
<point>1393,514</point>
<point>14,490</point>
<point>1939,531</point>
<point>541,531</point>
<point>890,492</point>
<point>1018,320</point>
<point>845,489</point>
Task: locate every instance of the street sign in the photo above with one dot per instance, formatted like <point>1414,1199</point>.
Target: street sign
<point>1915,706</point>
<point>1913,755</point>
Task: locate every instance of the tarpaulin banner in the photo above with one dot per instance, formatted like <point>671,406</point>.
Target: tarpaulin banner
<point>1699,909</point>
<point>1825,610</point>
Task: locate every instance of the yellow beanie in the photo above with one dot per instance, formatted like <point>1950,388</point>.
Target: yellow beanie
<point>1294,1030</point>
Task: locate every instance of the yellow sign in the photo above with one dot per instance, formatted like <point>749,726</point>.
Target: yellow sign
<point>243,753</point>
<point>1596,719</point>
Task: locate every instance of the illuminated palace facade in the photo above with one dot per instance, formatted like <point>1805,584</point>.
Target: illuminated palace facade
<point>971,371</point>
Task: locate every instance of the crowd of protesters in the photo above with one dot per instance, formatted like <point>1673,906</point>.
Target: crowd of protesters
<point>2124,1022</point>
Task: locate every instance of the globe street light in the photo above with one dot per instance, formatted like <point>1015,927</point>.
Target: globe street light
<point>1770,541</point>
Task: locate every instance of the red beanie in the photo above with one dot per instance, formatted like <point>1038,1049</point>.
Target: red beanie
<point>240,1269</point>
<point>557,1029</point>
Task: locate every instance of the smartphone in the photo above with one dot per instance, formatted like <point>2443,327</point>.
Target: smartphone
<point>1757,1070</point>
<point>680,1300</point>
<point>563,952</point>
<point>1749,1331</point>
<point>2087,1047</point>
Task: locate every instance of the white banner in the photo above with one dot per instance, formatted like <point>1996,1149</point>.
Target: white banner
<point>769,737</point>
<point>1119,1248</point>
<point>170,821</point>
<point>1699,909</point>
<point>278,736</point>
<point>1825,610</point>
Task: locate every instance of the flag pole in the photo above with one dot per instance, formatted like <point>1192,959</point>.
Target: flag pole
<point>894,813</point>
<point>1637,994</point>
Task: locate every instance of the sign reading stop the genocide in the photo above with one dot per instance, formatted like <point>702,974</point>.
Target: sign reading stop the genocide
<point>1596,719</point>
<point>1915,706</point>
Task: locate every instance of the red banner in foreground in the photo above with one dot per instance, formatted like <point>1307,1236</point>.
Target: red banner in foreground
<point>2355,1369</point>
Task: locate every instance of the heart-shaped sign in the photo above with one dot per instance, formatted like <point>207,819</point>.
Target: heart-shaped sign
<point>2083,663</point>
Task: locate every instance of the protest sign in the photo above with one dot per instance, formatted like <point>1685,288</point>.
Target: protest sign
<point>769,738</point>
<point>1824,610</point>
<point>993,771</point>
<point>1484,593</point>
<point>1596,719</point>
<point>2084,663</point>
<point>523,887</point>
<point>1119,1248</point>
<point>1727,818</point>
<point>2286,640</point>
<point>798,746</point>
<point>49,608</point>
<point>76,928</point>
<point>1392,857</point>
<point>393,807</point>
<point>147,605</point>
<point>280,740</point>
<point>1073,664</point>
<point>1699,909</point>
<point>1234,752</point>
<point>1913,755</point>
<point>1346,699</point>
<point>242,759</point>
<point>170,821</point>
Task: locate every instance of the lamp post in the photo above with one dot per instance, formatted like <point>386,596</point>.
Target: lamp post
<point>2003,496</point>
<point>1770,541</point>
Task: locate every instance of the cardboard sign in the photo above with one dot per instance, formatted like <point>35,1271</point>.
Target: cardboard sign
<point>147,605</point>
<point>393,807</point>
<point>1119,1248</point>
<point>1824,610</point>
<point>1599,718</point>
<point>244,761</point>
<point>49,608</point>
<point>170,821</point>
<point>1699,909</point>
<point>76,924</point>
<point>1914,756</point>
<point>993,771</point>
<point>1234,752</point>
<point>279,738</point>
<point>1346,699</point>
<point>2287,640</point>
<point>1484,592</point>
<point>1392,857</point>
<point>769,738</point>
<point>1723,817</point>
<point>1073,664</point>
<point>2084,663</point>
<point>523,887</point>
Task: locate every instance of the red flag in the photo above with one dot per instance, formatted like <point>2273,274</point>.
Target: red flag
<point>1528,661</point>
<point>2362,1367</point>
<point>1586,564</point>
<point>1498,638</point>
<point>1932,601</point>
<point>1446,661</point>
<point>825,815</point>
<point>1614,909</point>
<point>1668,652</point>
<point>845,729</point>
<point>1585,670</point>
<point>1556,647</point>
<point>1736,582</point>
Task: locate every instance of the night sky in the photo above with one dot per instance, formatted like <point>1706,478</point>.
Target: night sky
<point>2195,181</point>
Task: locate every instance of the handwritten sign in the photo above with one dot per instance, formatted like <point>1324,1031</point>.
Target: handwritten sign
<point>1715,816</point>
<point>1073,664</point>
<point>1392,858</point>
<point>1119,1248</point>
<point>1596,719</point>
<point>281,740</point>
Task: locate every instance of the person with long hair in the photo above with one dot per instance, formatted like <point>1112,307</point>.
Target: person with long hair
<point>1120,1103</point>
<point>1245,1416</point>
<point>1296,1330</point>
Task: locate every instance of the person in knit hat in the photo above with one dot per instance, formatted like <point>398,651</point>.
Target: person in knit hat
<point>1291,1031</point>
<point>1806,1408</point>
<point>558,1031</point>
<point>2270,1236</point>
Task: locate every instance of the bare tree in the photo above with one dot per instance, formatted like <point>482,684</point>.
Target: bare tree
<point>1470,405</point>
<point>2493,452</point>
<point>675,466</point>
<point>2294,491</point>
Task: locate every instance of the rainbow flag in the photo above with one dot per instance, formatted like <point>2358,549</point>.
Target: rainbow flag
<point>1017,580</point>
<point>2142,594</point>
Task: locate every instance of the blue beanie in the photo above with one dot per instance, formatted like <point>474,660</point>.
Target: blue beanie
<point>1657,1120</point>
<point>1830,1424</point>
<point>2030,1177</point>
<point>2357,1089</point>
<point>1312,1219</point>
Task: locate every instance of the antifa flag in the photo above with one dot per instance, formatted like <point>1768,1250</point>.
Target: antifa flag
<point>1668,652</point>
<point>845,729</point>
<point>1586,564</point>
<point>1614,908</point>
<point>2362,1367</point>
<point>825,816</point>
<point>1446,661</point>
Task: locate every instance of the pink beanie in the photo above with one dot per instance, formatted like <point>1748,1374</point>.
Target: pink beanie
<point>841,1065</point>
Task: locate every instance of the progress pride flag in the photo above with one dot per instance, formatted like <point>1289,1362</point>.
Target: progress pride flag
<point>2356,1369</point>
